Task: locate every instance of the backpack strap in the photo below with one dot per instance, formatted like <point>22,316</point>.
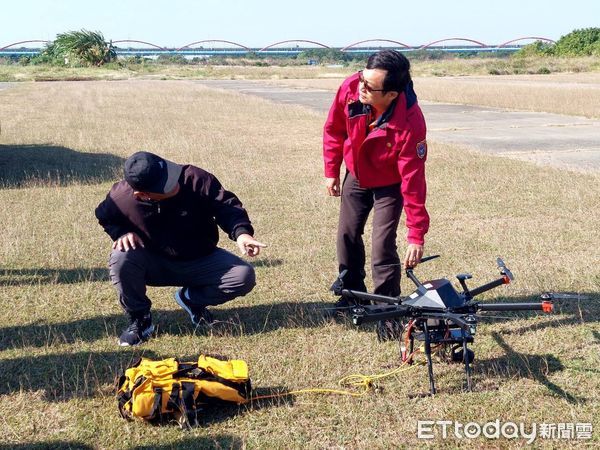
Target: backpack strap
<point>184,369</point>
<point>243,389</point>
<point>137,362</point>
<point>188,404</point>
<point>125,395</point>
<point>156,412</point>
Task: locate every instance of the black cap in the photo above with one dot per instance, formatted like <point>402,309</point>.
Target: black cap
<point>147,172</point>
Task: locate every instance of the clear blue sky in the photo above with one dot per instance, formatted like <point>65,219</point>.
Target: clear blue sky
<point>173,23</point>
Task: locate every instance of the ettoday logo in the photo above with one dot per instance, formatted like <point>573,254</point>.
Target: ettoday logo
<point>431,429</point>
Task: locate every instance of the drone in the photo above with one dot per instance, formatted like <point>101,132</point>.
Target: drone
<point>436,314</point>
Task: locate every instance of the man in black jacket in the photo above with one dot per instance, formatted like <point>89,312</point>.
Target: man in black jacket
<point>163,221</point>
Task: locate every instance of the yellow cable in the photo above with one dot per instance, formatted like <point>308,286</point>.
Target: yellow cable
<point>367,381</point>
<point>309,391</point>
<point>355,381</point>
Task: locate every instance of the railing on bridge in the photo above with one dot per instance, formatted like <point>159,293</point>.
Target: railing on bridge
<point>207,52</point>
<point>219,47</point>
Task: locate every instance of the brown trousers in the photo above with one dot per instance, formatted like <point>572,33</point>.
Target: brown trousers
<point>356,205</point>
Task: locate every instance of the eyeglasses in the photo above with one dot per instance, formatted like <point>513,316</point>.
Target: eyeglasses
<point>366,84</point>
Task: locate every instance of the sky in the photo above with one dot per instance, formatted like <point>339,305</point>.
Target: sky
<point>175,23</point>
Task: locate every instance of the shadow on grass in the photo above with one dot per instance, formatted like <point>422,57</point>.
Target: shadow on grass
<point>42,334</point>
<point>18,277</point>
<point>261,318</point>
<point>63,377</point>
<point>221,412</point>
<point>67,375</point>
<point>521,365</point>
<point>49,445</point>
<point>21,165</point>
<point>221,441</point>
<point>267,262</point>
<point>232,322</point>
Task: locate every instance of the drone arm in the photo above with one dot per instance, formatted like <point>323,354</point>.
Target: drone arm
<point>410,274</point>
<point>491,285</point>
<point>545,306</point>
<point>421,290</point>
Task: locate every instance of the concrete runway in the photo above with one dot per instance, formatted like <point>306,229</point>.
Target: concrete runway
<point>566,142</point>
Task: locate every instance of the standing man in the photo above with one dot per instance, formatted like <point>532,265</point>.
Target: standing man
<point>376,127</point>
<point>163,221</point>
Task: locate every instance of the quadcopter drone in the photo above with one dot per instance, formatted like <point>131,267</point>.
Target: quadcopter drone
<point>436,314</point>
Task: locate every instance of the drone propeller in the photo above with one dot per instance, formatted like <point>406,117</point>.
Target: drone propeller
<point>429,258</point>
<point>422,260</point>
<point>336,308</point>
<point>338,284</point>
<point>562,296</point>
<point>504,270</point>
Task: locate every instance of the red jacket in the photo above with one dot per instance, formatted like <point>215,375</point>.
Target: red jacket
<point>394,152</point>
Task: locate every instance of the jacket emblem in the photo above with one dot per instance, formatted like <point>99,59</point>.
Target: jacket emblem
<point>422,149</point>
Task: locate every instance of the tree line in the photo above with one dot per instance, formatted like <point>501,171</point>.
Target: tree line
<point>90,48</point>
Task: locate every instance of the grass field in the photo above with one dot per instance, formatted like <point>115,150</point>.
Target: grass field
<point>558,85</point>
<point>61,147</point>
<point>277,68</point>
<point>572,94</point>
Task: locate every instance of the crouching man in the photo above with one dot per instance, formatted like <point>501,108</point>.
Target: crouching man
<point>163,221</point>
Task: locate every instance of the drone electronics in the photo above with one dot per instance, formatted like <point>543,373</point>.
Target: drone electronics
<point>435,313</point>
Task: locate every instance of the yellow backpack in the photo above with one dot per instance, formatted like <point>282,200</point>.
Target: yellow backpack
<point>159,391</point>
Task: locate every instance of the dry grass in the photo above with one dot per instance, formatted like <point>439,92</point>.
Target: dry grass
<point>575,94</point>
<point>572,87</point>
<point>244,69</point>
<point>505,66</point>
<point>61,148</point>
<point>165,72</point>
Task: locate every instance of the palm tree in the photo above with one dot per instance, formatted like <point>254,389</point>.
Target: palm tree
<point>86,47</point>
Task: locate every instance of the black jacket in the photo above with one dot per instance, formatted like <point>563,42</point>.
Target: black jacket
<point>181,227</point>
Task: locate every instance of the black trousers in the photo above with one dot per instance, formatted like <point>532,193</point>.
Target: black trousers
<point>356,205</point>
<point>211,280</point>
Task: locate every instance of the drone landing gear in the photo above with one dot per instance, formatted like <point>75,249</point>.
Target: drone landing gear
<point>459,352</point>
<point>467,356</point>
<point>428,356</point>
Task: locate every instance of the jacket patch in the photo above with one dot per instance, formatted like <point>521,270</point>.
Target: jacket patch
<point>356,109</point>
<point>422,149</point>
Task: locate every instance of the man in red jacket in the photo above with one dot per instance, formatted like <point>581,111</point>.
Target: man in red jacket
<point>376,127</point>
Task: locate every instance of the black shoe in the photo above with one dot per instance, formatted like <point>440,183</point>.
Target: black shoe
<point>198,314</point>
<point>139,330</point>
<point>389,330</point>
